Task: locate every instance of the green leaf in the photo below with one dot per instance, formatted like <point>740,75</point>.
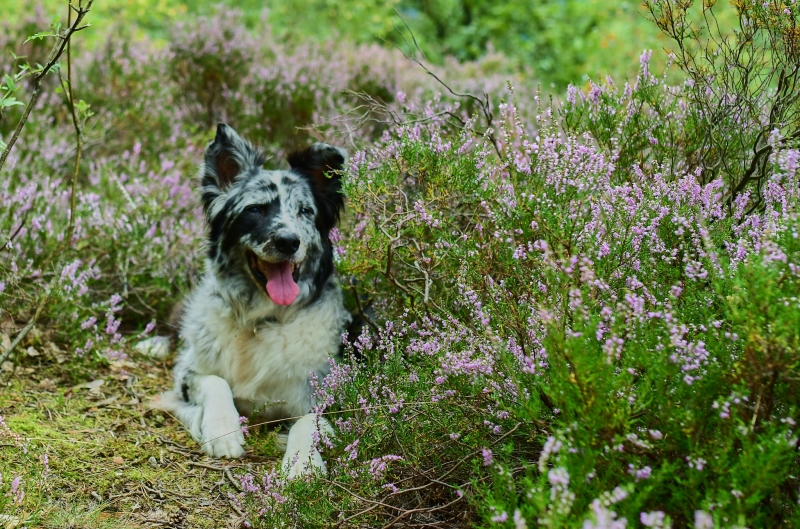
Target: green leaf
<point>41,36</point>
<point>10,85</point>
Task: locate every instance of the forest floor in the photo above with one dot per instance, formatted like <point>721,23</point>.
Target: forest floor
<point>113,461</point>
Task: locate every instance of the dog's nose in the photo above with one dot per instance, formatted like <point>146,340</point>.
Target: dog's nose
<point>287,244</point>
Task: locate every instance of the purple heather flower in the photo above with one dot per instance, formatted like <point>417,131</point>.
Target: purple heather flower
<point>703,520</point>
<point>652,519</point>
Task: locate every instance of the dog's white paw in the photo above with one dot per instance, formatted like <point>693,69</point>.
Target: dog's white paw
<point>302,457</point>
<point>154,347</point>
<point>222,435</point>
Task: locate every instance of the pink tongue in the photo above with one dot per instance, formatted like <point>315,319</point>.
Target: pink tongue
<point>280,285</point>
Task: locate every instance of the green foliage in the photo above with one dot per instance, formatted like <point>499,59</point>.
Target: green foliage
<point>44,34</point>
<point>8,88</point>
<point>559,42</point>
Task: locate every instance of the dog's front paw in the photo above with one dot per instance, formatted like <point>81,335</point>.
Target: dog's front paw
<point>302,456</point>
<point>222,435</point>
<point>155,347</point>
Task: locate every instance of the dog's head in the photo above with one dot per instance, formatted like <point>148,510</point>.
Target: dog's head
<point>271,227</point>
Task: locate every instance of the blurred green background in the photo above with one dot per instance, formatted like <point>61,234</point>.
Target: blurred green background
<point>558,41</point>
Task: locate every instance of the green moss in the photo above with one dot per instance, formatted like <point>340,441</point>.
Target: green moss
<point>83,442</point>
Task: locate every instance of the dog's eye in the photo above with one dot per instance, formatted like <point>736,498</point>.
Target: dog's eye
<point>306,211</point>
<point>256,210</point>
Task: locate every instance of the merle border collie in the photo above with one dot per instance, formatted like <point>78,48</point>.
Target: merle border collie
<point>269,313</point>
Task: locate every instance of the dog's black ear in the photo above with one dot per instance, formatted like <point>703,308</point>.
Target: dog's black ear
<point>227,157</point>
<point>322,165</point>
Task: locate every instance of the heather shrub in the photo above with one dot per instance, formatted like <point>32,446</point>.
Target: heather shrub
<point>121,245</point>
<point>739,89</point>
<point>562,42</point>
<point>271,89</point>
<point>210,57</point>
<point>127,82</point>
<point>578,324</point>
<point>560,342</point>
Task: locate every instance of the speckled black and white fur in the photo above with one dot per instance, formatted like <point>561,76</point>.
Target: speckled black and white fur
<point>241,349</point>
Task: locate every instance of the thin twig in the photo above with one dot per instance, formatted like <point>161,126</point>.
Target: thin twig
<point>236,508</point>
<point>233,481</point>
<point>206,465</point>
<point>78,138</point>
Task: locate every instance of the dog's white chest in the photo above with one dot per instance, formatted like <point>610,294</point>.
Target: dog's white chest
<point>274,361</point>
<point>263,359</point>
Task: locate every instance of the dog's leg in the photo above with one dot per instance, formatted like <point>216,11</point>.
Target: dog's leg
<point>301,456</point>
<point>216,426</point>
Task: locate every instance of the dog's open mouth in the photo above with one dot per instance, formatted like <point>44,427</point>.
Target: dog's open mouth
<point>279,279</point>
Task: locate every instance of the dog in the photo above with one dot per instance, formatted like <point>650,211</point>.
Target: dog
<point>269,313</point>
